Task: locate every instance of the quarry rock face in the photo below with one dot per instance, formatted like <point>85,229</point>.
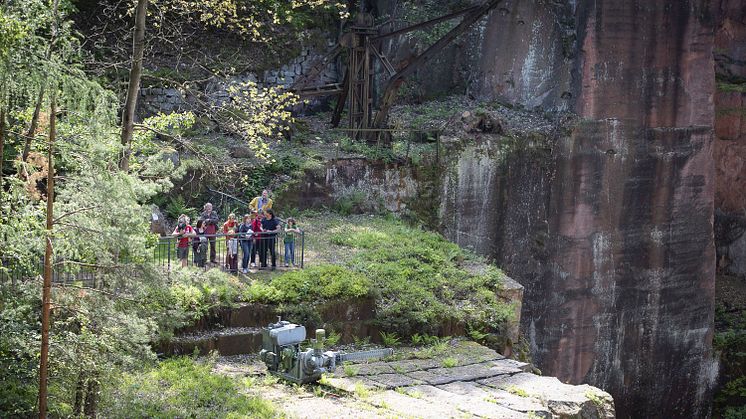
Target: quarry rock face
<point>622,294</point>
<point>730,106</point>
<point>611,231</point>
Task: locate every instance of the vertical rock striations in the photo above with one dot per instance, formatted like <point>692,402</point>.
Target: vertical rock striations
<point>730,106</point>
<point>622,296</point>
<point>611,230</point>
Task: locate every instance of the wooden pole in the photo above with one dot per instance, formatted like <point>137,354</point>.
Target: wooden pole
<point>133,88</point>
<point>47,288</point>
<point>2,146</point>
<point>35,118</point>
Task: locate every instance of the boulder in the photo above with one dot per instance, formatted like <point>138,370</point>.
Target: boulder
<point>158,223</point>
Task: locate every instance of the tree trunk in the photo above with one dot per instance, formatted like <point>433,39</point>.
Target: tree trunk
<point>2,146</point>
<point>91,397</point>
<point>34,123</point>
<point>47,288</point>
<point>128,114</point>
<point>79,394</point>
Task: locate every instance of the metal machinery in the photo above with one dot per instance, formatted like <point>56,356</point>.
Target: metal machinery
<point>362,41</point>
<point>283,356</point>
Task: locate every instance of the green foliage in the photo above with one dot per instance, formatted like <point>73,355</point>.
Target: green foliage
<point>364,341</point>
<point>351,202</point>
<point>730,341</point>
<point>20,337</point>
<point>182,387</point>
<point>517,391</point>
<point>731,87</point>
<point>390,339</point>
<point>419,277</point>
<point>361,390</point>
<point>261,113</point>
<point>177,206</point>
<point>198,292</point>
<point>449,362</point>
<point>384,154</point>
<point>255,20</point>
<point>258,177</point>
<point>476,334</point>
<point>332,339</point>
<point>350,370</point>
<point>595,398</point>
<point>315,284</point>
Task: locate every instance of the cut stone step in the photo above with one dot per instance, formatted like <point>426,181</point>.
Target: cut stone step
<point>228,341</point>
<point>251,315</point>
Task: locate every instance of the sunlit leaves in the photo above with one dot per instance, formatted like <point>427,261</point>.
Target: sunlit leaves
<point>260,113</point>
<point>249,18</point>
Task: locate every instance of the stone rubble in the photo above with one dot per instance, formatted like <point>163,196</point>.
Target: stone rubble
<point>481,384</point>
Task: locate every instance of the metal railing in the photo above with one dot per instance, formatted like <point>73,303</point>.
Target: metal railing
<point>63,272</point>
<point>231,252</point>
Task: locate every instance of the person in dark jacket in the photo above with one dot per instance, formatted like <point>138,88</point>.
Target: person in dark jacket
<point>199,245</point>
<point>246,238</point>
<point>256,226</point>
<point>270,227</point>
<point>210,220</point>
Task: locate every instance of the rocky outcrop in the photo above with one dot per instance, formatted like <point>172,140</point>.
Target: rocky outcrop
<point>624,294</point>
<point>468,380</point>
<point>730,106</point>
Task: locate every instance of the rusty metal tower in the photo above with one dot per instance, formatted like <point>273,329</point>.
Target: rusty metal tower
<point>361,40</point>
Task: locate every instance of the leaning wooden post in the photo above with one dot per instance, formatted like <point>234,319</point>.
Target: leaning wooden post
<point>47,289</point>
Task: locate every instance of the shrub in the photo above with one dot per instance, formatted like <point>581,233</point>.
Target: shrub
<point>182,387</point>
<point>450,362</point>
<point>419,278</point>
<point>197,292</point>
<point>390,339</point>
<point>315,284</point>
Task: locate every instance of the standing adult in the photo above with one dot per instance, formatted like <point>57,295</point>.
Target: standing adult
<point>199,245</point>
<point>183,233</point>
<point>246,236</point>
<point>210,222</point>
<point>270,227</point>
<point>261,203</point>
<point>231,244</point>
<point>256,227</point>
<point>291,229</point>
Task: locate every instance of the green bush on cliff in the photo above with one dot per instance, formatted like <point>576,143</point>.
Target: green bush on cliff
<point>420,278</point>
<point>196,292</point>
<point>312,285</point>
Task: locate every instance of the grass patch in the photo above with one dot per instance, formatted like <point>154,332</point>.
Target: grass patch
<point>361,390</point>
<point>595,398</point>
<point>311,285</point>
<point>350,370</point>
<point>449,362</point>
<point>731,87</point>
<point>390,339</point>
<point>182,387</point>
<point>420,277</point>
<point>418,280</point>
<point>517,391</point>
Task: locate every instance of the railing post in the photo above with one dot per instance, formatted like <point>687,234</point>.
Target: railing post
<point>302,247</point>
<point>169,255</point>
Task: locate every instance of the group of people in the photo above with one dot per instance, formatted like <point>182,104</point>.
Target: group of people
<point>256,233</point>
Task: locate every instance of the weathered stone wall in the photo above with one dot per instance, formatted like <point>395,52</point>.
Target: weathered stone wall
<point>288,73</point>
<point>214,93</point>
<point>612,270</point>
<point>730,106</point>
